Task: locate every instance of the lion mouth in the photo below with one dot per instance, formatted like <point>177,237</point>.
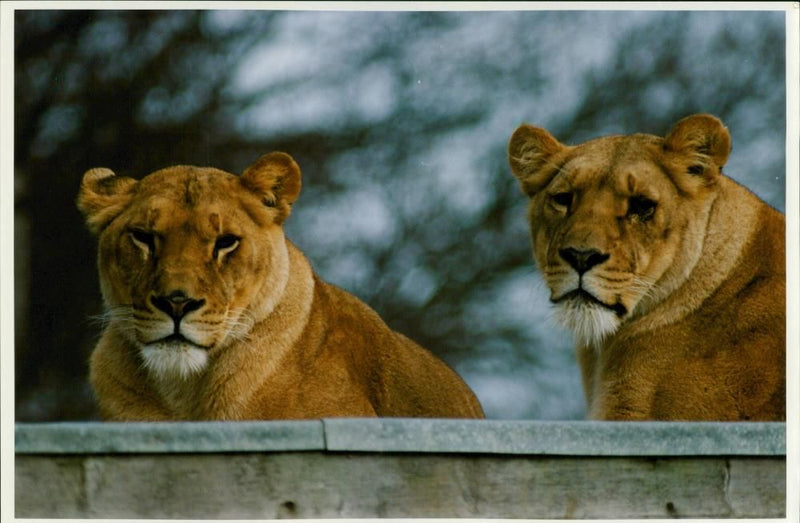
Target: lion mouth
<point>581,295</point>
<point>177,340</point>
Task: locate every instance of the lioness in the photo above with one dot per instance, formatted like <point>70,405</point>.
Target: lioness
<point>670,274</point>
<point>214,314</point>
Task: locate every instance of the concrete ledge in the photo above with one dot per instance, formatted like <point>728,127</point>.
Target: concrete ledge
<point>400,468</point>
<point>132,438</point>
<point>581,438</point>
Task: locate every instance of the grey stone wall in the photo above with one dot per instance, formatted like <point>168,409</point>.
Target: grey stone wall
<point>400,468</point>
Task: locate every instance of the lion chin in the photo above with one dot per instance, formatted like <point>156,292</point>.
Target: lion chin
<point>589,322</point>
<point>174,359</point>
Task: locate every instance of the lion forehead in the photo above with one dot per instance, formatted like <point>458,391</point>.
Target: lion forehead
<point>199,199</point>
<point>190,185</point>
<point>625,165</point>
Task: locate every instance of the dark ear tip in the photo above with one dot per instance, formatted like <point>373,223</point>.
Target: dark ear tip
<point>528,142</point>
<point>275,177</point>
<point>706,118</point>
<point>271,160</point>
<point>521,134</point>
<point>102,181</point>
<point>95,176</point>
<point>702,133</point>
<point>102,196</point>
<point>702,122</point>
<point>278,158</point>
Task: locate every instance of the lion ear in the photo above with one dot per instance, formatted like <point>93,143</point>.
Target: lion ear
<point>701,145</point>
<point>276,178</point>
<point>529,152</point>
<point>102,196</point>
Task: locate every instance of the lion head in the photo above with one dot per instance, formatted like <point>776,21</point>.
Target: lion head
<point>617,223</point>
<point>190,258</point>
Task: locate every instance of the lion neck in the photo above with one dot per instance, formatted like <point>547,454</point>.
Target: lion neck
<point>274,287</point>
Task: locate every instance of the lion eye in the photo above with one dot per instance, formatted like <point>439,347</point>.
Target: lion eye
<point>562,199</point>
<point>225,244</point>
<point>641,207</point>
<point>144,240</point>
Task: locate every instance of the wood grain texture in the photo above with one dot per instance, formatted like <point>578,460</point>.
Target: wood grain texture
<point>356,485</point>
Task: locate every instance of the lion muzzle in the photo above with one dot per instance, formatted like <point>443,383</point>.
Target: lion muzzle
<point>177,305</point>
<point>582,260</point>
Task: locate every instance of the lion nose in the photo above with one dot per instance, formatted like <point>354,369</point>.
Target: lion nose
<point>582,260</point>
<point>177,304</point>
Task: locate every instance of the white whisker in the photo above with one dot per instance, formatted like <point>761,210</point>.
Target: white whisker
<point>238,323</point>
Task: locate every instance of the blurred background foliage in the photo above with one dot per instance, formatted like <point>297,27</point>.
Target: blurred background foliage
<point>399,121</point>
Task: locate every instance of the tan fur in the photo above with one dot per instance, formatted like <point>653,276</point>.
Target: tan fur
<point>256,334</point>
<point>679,313</point>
